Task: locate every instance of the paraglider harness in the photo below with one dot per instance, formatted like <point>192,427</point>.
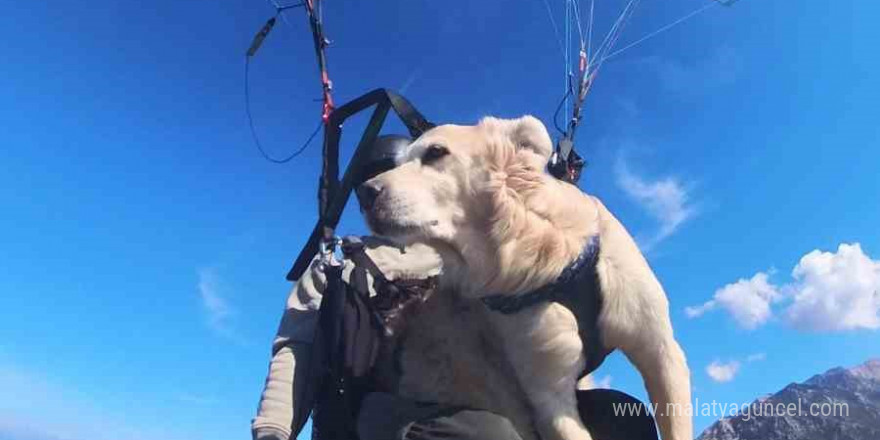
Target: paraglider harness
<point>351,323</point>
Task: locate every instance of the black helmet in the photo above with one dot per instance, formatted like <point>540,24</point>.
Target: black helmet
<point>383,155</point>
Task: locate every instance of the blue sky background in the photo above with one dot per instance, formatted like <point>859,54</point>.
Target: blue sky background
<point>144,242</point>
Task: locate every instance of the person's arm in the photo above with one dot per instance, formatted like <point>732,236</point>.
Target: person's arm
<point>290,358</point>
<point>282,394</point>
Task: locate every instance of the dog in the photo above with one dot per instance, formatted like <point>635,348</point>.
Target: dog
<point>481,196</point>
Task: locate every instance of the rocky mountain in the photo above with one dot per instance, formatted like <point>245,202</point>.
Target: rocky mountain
<point>840,404</point>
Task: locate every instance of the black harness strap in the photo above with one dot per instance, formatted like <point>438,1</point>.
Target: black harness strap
<point>578,289</point>
<point>347,343</point>
<point>324,362</point>
<point>333,193</point>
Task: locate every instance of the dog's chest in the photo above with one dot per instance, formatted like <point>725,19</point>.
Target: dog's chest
<point>542,340</point>
<point>449,354</point>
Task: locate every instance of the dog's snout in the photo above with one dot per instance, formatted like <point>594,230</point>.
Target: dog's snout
<point>367,194</point>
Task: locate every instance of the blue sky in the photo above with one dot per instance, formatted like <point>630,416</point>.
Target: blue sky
<point>144,243</point>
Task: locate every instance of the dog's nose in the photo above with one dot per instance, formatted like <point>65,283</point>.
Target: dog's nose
<point>367,194</point>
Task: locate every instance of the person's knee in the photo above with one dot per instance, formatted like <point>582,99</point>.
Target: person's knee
<point>491,426</point>
<point>463,425</point>
<point>388,417</point>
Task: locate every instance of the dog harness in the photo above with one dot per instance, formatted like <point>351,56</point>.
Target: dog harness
<point>577,288</point>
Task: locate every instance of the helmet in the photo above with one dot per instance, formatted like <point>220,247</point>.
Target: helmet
<point>383,155</point>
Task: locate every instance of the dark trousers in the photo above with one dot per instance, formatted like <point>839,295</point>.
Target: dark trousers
<point>387,417</point>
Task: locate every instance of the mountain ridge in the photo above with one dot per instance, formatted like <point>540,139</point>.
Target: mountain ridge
<point>840,404</point>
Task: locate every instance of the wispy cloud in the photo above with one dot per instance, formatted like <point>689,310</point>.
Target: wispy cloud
<point>219,313</point>
<point>196,399</point>
<point>33,405</point>
<point>722,372</point>
<point>694,79</point>
<point>828,291</point>
<point>756,357</point>
<point>665,199</point>
<point>410,80</point>
<point>14,430</point>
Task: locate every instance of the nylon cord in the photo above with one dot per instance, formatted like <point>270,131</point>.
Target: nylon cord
<point>256,138</point>
<point>555,28</point>
<point>664,28</point>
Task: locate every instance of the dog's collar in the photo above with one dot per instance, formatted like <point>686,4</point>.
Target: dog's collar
<point>586,261</point>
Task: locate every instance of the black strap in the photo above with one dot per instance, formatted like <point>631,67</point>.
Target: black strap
<point>323,354</point>
<point>260,37</point>
<point>578,289</point>
<point>414,121</point>
<point>353,249</point>
<point>509,304</point>
<point>333,193</point>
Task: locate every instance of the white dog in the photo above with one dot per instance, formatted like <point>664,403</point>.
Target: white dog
<point>504,226</point>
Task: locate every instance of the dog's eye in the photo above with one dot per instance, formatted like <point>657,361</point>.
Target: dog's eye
<point>434,153</point>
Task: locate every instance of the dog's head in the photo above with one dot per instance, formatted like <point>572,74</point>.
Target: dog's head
<point>448,183</point>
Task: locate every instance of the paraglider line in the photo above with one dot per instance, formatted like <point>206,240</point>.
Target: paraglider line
<point>256,138</point>
<point>555,28</point>
<point>663,29</point>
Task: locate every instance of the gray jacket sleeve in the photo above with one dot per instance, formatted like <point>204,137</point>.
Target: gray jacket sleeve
<point>292,345</point>
<point>290,357</point>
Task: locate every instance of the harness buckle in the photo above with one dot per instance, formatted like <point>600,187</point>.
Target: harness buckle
<point>327,250</point>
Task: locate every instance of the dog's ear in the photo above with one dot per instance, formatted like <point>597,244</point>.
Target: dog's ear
<point>526,133</point>
<point>530,133</point>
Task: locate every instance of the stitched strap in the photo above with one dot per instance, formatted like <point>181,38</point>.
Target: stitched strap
<point>508,304</point>
<point>353,248</point>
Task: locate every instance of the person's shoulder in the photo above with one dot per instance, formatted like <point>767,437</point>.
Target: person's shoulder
<point>414,261</point>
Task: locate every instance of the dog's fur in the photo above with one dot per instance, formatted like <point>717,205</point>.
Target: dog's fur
<point>448,354</point>
<point>504,226</point>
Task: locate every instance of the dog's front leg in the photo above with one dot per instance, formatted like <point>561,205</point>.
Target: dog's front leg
<point>652,348</point>
<point>546,353</point>
<point>667,380</point>
<point>556,413</point>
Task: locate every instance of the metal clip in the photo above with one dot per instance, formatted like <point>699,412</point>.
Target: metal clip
<point>327,250</point>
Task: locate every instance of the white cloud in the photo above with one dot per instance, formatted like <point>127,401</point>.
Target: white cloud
<point>836,291</point>
<point>722,372</point>
<point>829,291</point>
<point>592,381</point>
<point>603,382</point>
<point>218,312</point>
<point>748,301</point>
<point>726,371</point>
<point>666,200</point>
<point>756,357</point>
<point>700,310</point>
